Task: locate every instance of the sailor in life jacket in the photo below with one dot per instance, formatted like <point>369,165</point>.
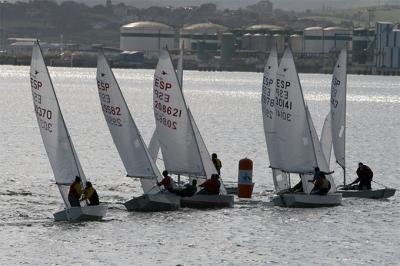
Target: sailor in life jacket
<point>217,163</point>
<point>90,195</point>
<point>75,192</point>
<point>167,181</point>
<point>321,185</point>
<point>364,177</point>
<point>211,186</point>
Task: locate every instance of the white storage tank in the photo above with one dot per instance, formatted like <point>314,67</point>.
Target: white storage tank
<point>259,42</point>
<point>335,38</point>
<point>313,40</point>
<point>263,28</point>
<point>296,43</point>
<point>268,39</point>
<point>279,40</point>
<point>246,41</point>
<point>146,36</point>
<point>207,33</point>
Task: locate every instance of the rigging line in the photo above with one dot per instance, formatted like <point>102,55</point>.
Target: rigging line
<point>379,184</point>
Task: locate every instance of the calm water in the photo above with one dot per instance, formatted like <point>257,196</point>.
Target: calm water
<point>226,107</point>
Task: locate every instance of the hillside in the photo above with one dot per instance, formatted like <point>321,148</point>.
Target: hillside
<point>289,5</point>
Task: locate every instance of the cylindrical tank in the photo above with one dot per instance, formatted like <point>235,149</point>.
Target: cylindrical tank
<point>146,36</point>
<point>246,41</point>
<point>268,40</point>
<point>336,38</point>
<point>313,40</point>
<point>245,178</point>
<point>296,43</point>
<point>279,40</point>
<point>259,42</point>
<point>201,50</point>
<point>227,46</point>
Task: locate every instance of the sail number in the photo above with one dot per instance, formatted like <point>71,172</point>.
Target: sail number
<point>112,110</point>
<point>335,83</point>
<point>165,121</point>
<point>113,120</point>
<point>44,113</point>
<point>167,109</point>
<point>41,112</point>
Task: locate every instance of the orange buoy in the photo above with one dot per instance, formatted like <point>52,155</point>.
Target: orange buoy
<point>245,178</point>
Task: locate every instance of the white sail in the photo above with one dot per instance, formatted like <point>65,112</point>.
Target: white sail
<point>293,138</point>
<point>326,139</point>
<point>319,154</point>
<point>175,134</point>
<point>268,107</point>
<point>126,136</point>
<point>62,156</point>
<point>154,146</point>
<point>281,180</point>
<point>338,108</point>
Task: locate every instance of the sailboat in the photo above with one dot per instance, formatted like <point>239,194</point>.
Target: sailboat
<point>183,149</point>
<point>337,119</point>
<point>292,143</point>
<point>130,145</point>
<point>57,141</point>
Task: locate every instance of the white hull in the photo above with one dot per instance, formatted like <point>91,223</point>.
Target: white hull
<point>80,214</point>
<point>163,201</point>
<point>302,200</point>
<point>383,193</point>
<point>208,201</point>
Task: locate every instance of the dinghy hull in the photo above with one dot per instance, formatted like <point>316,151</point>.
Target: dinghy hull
<point>80,214</point>
<point>369,194</point>
<point>163,201</point>
<point>208,201</point>
<point>301,200</point>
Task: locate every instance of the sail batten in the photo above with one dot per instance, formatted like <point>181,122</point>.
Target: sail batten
<point>56,139</point>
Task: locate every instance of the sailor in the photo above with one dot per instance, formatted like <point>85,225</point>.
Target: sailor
<point>75,192</point>
<point>364,177</point>
<point>189,189</point>
<point>166,181</point>
<point>90,195</point>
<point>321,184</point>
<point>217,163</point>
<point>211,186</point>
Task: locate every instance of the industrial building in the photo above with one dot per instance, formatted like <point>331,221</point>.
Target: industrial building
<point>387,46</point>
